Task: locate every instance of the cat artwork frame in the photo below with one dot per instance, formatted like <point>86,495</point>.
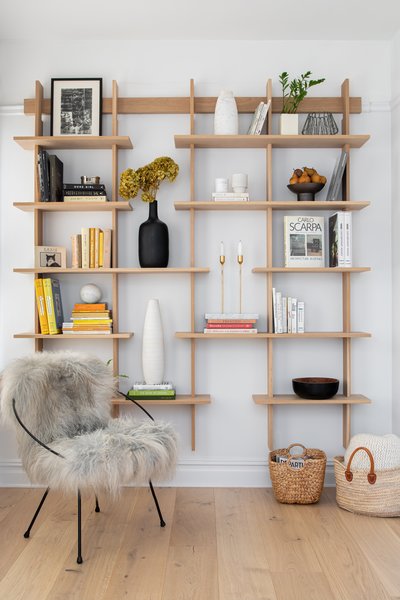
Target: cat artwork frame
<point>50,257</point>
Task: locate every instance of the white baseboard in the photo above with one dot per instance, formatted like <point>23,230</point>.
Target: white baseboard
<point>189,473</point>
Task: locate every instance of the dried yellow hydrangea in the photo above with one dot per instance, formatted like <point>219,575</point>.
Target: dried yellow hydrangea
<point>147,178</point>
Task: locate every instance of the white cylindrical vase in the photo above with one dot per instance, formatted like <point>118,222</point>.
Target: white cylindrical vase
<point>226,120</point>
<point>153,344</point>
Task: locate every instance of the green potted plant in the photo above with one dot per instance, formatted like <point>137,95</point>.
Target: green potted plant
<point>153,233</point>
<point>293,92</point>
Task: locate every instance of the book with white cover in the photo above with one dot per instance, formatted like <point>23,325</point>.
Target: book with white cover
<point>274,312</point>
<point>254,120</point>
<point>348,246</point>
<point>284,315</point>
<point>294,315</point>
<point>230,331</point>
<point>300,316</point>
<point>289,314</point>
<point>304,241</point>
<point>279,325</point>
<point>262,117</point>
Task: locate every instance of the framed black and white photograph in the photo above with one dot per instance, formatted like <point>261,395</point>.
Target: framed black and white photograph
<point>50,256</point>
<point>76,106</point>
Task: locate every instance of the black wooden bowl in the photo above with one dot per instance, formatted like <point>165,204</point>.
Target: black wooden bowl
<point>305,191</point>
<point>315,388</point>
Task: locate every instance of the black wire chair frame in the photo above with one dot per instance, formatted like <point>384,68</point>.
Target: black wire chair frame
<point>79,558</point>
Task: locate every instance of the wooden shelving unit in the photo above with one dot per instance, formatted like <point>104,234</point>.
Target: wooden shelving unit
<point>270,142</point>
<point>114,270</point>
<point>73,142</point>
<point>75,336</point>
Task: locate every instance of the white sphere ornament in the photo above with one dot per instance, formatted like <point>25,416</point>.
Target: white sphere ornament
<point>90,293</point>
<point>226,120</point>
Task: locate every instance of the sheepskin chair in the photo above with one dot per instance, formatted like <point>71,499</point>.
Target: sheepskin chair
<point>60,406</point>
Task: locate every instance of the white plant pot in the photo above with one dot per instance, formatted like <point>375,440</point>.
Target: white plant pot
<point>289,124</point>
<point>153,344</point>
<point>226,120</point>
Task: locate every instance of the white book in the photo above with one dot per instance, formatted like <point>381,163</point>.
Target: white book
<point>262,117</point>
<point>255,118</point>
<point>289,315</point>
<point>284,315</point>
<point>300,316</point>
<point>294,315</point>
<point>348,245</point>
<point>336,240</point>
<point>279,328</point>
<point>230,331</point>
<point>230,195</point>
<point>235,198</point>
<point>274,313</point>
<point>304,241</point>
<point>155,386</point>
<point>341,253</point>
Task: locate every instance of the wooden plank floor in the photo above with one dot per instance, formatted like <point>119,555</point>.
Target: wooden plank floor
<point>219,544</point>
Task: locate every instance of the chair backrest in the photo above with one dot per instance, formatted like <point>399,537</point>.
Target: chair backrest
<point>57,394</point>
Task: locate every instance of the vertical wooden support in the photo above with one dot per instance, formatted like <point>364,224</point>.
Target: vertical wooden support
<point>269,263</point>
<point>114,234</point>
<point>346,424</point>
<point>37,214</point>
<point>192,264</point>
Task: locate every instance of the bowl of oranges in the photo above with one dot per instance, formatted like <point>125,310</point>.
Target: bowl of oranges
<point>306,183</point>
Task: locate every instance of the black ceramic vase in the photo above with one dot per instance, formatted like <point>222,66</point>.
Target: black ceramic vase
<point>153,240</point>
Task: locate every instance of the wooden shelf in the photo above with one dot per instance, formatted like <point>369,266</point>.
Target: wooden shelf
<point>114,270</point>
<point>181,399</point>
<point>72,206</point>
<point>310,269</point>
<point>74,336</point>
<point>263,141</point>
<point>74,142</point>
<point>293,399</point>
<point>275,205</point>
<point>278,336</point>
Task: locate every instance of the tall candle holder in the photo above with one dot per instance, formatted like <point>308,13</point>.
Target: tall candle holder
<point>222,262</point>
<point>240,261</point>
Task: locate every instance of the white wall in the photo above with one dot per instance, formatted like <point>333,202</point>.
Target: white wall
<point>231,432</point>
<point>395,226</point>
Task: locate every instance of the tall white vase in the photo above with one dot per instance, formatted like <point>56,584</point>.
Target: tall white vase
<point>226,120</point>
<point>153,344</point>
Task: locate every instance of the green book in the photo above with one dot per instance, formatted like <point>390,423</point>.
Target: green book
<point>151,393</point>
<point>147,397</point>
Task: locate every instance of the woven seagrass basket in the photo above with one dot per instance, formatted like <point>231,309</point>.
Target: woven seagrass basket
<point>373,493</point>
<point>297,485</point>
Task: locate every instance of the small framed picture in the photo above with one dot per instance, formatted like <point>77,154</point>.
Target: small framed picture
<point>50,256</point>
<point>76,106</point>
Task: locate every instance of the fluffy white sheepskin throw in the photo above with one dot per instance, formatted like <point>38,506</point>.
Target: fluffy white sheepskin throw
<point>64,398</point>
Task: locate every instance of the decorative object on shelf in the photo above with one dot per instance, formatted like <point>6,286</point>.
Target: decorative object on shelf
<point>153,344</point>
<point>293,92</point>
<point>304,241</point>
<point>300,478</point>
<point>153,233</point>
<point>337,175</point>
<point>221,184</point>
<point>222,262</point>
<point>76,106</point>
<point>305,191</point>
<point>226,121</point>
<point>50,257</point>
<point>240,261</point>
<point>320,124</point>
<point>90,293</point>
<point>239,183</point>
<point>315,388</point>
<point>86,180</point>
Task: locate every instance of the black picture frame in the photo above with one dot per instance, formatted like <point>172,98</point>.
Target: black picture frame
<point>76,106</point>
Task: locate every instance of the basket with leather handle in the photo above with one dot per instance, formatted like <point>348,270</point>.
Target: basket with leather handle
<point>300,485</point>
<point>367,491</point>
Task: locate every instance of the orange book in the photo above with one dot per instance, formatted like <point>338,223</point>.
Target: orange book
<point>90,307</point>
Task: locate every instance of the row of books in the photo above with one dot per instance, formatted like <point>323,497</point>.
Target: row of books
<point>304,240</point>
<point>230,197</point>
<point>89,319</point>
<point>161,391</point>
<point>49,305</point>
<point>259,117</point>
<point>288,313</point>
<point>231,323</point>
<point>50,176</point>
<point>91,249</point>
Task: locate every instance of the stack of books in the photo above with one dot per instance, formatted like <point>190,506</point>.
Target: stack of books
<point>49,305</point>
<point>230,197</point>
<point>288,313</point>
<point>231,322</point>
<point>91,249</point>
<point>84,192</point>
<point>89,319</point>
<point>160,391</point>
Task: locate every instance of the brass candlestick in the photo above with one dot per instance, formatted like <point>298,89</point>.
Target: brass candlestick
<point>222,262</point>
<point>240,261</point>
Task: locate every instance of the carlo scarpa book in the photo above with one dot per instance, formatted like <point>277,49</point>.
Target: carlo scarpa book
<point>304,241</point>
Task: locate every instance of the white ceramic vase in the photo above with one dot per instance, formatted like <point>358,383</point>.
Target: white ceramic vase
<point>153,344</point>
<point>226,120</point>
<point>289,124</point>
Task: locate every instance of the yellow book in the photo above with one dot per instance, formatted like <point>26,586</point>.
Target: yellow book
<point>101,248</point>
<point>41,307</point>
<point>51,317</point>
<point>91,247</point>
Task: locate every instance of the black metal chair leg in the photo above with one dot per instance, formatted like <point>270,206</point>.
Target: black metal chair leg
<point>162,522</point>
<point>28,531</point>
<point>97,509</point>
<point>79,558</point>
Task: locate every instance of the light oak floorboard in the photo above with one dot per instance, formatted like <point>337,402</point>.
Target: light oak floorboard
<point>219,544</point>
